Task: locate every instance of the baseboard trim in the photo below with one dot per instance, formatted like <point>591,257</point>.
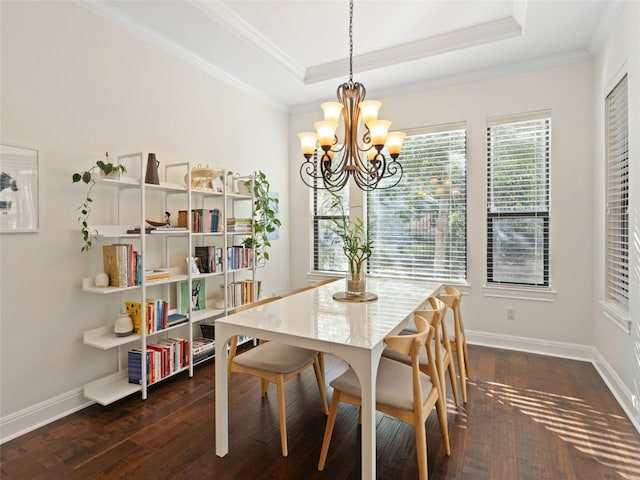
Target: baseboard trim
<point>36,416</point>
<point>572,351</point>
<point>42,413</point>
<point>627,400</point>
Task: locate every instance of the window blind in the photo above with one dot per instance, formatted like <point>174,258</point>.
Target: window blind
<point>617,196</point>
<point>418,227</point>
<point>327,247</point>
<point>518,155</point>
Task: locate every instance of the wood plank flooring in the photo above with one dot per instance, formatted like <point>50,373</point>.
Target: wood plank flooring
<point>529,417</point>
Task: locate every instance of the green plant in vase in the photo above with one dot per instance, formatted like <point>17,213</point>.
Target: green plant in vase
<point>356,244</point>
<point>87,177</point>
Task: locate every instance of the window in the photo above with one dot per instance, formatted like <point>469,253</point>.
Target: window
<point>327,248</point>
<point>617,195</point>
<point>419,227</point>
<point>518,201</point>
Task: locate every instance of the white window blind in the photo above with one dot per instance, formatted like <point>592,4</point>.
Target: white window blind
<point>518,154</point>
<point>617,211</point>
<point>327,247</point>
<point>418,227</point>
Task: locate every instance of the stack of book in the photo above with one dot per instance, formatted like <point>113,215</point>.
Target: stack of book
<point>203,348</point>
<point>239,293</point>
<point>156,315</point>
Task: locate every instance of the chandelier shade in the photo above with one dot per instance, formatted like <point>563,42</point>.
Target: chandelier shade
<point>358,153</point>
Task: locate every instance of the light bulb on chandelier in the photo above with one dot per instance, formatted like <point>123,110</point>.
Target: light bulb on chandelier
<point>361,156</point>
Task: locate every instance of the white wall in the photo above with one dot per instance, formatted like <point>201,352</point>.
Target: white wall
<point>618,351</point>
<point>75,86</point>
<point>564,324</point>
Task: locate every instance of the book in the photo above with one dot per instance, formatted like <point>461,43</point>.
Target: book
<point>176,319</point>
<point>115,263</point>
<point>158,274</point>
<point>197,296</point>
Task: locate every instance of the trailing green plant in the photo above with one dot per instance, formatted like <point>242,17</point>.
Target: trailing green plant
<point>356,244</point>
<point>265,216</point>
<point>87,177</point>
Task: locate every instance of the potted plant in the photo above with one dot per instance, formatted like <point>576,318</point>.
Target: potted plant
<point>356,245</point>
<point>106,168</point>
<point>265,219</point>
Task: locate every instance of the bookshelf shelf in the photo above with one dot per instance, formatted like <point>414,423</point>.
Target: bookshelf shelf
<point>154,252</point>
<point>111,388</point>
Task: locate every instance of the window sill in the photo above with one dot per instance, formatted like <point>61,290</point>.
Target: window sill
<point>520,293</point>
<point>618,315</point>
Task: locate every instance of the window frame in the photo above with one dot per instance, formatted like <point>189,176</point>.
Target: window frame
<point>544,214</point>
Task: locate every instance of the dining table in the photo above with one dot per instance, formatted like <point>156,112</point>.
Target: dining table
<point>350,328</point>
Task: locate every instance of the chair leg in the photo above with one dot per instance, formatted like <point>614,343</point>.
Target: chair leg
<point>441,410</point>
<point>466,357</point>
<point>283,416</point>
<point>421,449</point>
<point>264,385</point>
<point>318,368</point>
<point>328,430</point>
<point>454,383</point>
<point>462,370</point>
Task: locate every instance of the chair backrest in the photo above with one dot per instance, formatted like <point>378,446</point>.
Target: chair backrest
<point>324,282</point>
<point>233,343</point>
<point>412,345</point>
<point>452,298</point>
<point>297,290</point>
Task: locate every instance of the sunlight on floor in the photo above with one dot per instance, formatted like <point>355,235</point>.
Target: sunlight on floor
<point>598,435</point>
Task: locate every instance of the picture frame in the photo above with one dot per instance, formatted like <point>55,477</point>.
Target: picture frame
<point>19,189</point>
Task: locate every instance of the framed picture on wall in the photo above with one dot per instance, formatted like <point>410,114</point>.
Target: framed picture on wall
<point>19,189</point>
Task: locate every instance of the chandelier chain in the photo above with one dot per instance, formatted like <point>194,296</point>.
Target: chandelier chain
<point>350,41</point>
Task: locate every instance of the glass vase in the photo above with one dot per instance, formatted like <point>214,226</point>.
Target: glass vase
<point>356,283</point>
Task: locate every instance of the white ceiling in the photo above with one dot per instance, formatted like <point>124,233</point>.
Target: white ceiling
<point>294,53</point>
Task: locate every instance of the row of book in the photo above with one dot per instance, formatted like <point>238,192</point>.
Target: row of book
<point>156,315</point>
<point>239,256</point>
<point>202,220</point>
<point>122,264</point>
<point>241,292</point>
<point>162,359</point>
<point>211,259</point>
<point>239,225</point>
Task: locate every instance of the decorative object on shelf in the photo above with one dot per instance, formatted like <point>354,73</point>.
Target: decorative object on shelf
<point>356,245</point>
<point>101,280</point>
<point>265,217</point>
<point>106,169</point>
<point>123,326</point>
<point>201,176</point>
<point>166,221</point>
<point>363,159</point>
<point>151,176</point>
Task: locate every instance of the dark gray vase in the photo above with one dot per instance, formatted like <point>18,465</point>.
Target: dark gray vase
<point>152,170</point>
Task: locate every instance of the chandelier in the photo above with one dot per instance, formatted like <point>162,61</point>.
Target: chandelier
<point>358,154</point>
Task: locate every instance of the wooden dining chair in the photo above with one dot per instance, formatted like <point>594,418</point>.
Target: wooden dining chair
<point>402,391</point>
<point>443,348</point>
<point>452,298</point>
<point>274,362</point>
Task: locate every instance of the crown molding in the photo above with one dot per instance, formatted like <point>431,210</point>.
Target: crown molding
<point>610,15</point>
<point>102,9</point>
<point>466,77</point>
<point>224,15</point>
<point>479,34</point>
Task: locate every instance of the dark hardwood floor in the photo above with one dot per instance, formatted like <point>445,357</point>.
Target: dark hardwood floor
<point>528,417</point>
